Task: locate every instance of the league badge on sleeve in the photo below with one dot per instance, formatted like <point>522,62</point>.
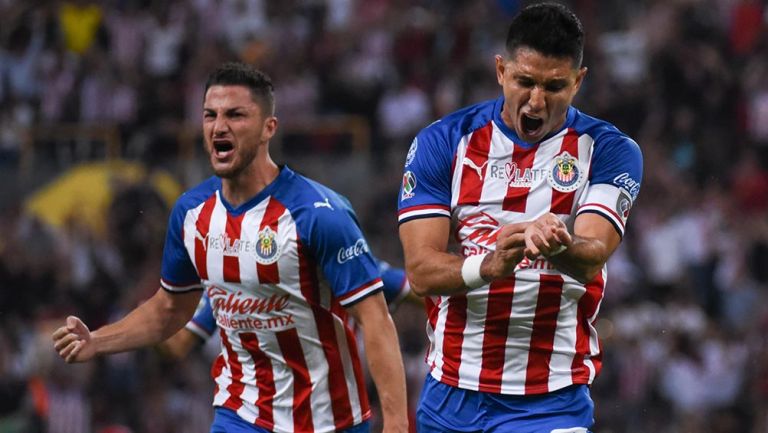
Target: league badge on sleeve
<point>565,174</point>
<point>623,204</point>
<point>267,249</point>
<point>409,185</point>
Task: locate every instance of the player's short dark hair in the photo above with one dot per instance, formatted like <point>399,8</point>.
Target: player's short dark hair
<point>549,28</point>
<point>241,74</point>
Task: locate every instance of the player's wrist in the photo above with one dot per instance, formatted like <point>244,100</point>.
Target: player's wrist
<point>471,271</point>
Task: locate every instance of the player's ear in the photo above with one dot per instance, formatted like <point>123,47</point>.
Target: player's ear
<point>500,67</point>
<point>580,78</point>
<point>269,128</point>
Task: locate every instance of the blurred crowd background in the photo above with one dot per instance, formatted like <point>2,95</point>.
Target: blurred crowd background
<point>100,113</point>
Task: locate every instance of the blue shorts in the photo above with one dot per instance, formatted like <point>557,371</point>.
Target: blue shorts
<point>227,421</point>
<point>444,408</point>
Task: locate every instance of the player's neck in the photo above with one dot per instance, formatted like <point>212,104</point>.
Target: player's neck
<point>254,178</point>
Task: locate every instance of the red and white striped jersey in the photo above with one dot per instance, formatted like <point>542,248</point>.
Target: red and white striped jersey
<point>532,332</point>
<point>289,360</point>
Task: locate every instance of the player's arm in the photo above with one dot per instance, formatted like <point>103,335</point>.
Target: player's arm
<point>384,360</point>
<point>616,173</point>
<point>581,254</point>
<point>151,322</point>
<point>180,344</point>
<point>434,271</point>
<point>195,333</point>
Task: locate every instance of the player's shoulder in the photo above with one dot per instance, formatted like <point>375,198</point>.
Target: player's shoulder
<point>456,125</point>
<point>604,133</point>
<point>303,195</point>
<point>199,193</point>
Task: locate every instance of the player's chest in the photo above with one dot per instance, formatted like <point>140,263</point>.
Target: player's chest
<point>516,178</point>
<point>248,248</point>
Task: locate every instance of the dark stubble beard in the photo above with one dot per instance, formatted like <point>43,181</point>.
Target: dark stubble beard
<point>243,160</point>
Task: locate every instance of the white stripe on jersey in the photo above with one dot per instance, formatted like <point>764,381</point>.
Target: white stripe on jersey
<point>518,340</point>
<point>417,212</point>
<point>354,394</point>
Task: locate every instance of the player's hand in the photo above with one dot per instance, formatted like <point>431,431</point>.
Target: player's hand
<point>510,249</point>
<point>73,341</point>
<point>546,236</point>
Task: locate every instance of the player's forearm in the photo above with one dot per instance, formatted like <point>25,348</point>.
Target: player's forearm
<point>434,272</point>
<point>583,259</point>
<point>386,366</point>
<point>150,323</point>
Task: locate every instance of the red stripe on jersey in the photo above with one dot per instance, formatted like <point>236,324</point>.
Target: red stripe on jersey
<point>232,263</point>
<point>357,366</point>
<point>608,210</point>
<point>588,305</point>
<point>265,380</point>
<point>290,346</point>
<point>517,196</point>
<point>202,225</point>
<point>562,202</point>
<point>543,334</point>
<point>355,292</point>
<point>268,274</point>
<point>235,389</point>
<point>216,369</point>
<point>495,334</point>
<point>475,163</point>
<point>432,312</point>
<point>324,320</point>
<point>453,338</point>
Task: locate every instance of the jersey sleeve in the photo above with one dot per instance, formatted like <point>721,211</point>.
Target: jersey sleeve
<point>616,174</point>
<point>178,273</point>
<point>426,187</point>
<point>396,286</point>
<point>202,323</point>
<point>342,253</point>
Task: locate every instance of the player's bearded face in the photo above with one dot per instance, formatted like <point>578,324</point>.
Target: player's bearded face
<point>538,90</point>
<point>234,129</point>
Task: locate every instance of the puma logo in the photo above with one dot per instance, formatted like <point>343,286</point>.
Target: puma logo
<point>319,204</point>
<point>471,164</point>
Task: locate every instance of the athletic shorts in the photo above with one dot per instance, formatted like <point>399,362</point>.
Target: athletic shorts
<point>447,409</point>
<point>227,421</point>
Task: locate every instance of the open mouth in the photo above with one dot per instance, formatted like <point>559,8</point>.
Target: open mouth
<point>222,146</point>
<point>531,125</point>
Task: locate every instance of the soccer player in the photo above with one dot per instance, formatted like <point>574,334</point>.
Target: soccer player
<point>536,195</point>
<point>203,323</point>
<point>256,237</point>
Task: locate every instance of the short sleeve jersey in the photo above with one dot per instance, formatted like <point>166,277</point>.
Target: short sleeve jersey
<point>289,361</point>
<point>532,332</point>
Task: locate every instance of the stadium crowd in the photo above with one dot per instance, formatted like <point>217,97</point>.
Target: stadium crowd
<point>683,320</point>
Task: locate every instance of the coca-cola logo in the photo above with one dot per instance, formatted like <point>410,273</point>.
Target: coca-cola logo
<point>346,254</point>
<point>624,180</point>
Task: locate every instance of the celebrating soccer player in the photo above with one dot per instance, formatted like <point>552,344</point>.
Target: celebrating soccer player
<point>257,237</point>
<point>536,194</point>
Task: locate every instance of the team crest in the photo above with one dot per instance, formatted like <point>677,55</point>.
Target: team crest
<point>411,152</point>
<point>565,175</point>
<point>409,185</point>
<point>267,250</point>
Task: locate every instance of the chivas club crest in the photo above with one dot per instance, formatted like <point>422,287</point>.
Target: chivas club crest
<point>267,249</point>
<point>565,175</point>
